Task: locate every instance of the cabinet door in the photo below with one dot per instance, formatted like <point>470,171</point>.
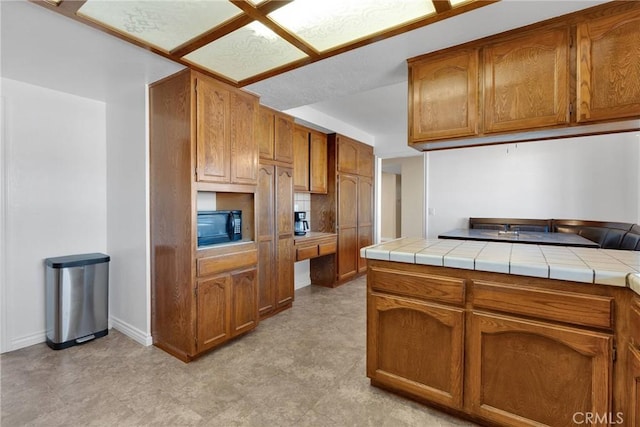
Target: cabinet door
<point>318,162</point>
<point>285,285</point>
<point>301,159</point>
<point>266,245</point>
<point>283,139</point>
<point>244,301</point>
<point>634,387</point>
<point>244,149</point>
<point>526,81</point>
<point>416,347</point>
<point>284,201</point>
<point>265,133</point>
<point>347,201</point>
<point>525,373</point>
<point>213,149</point>
<point>443,96</point>
<point>365,238</point>
<point>347,252</point>
<point>608,71</point>
<point>213,308</point>
<point>347,155</point>
<point>365,160</point>
<point>365,219</point>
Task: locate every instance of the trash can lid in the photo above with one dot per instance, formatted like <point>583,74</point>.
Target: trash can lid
<point>76,260</point>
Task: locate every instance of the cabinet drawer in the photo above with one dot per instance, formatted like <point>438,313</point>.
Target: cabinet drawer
<point>420,285</point>
<point>569,307</point>
<point>327,248</point>
<point>219,263</point>
<point>306,252</point>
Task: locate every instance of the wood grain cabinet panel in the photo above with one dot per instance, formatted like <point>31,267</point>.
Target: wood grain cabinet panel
<point>244,150</point>
<point>275,201</point>
<point>225,134</point>
<point>526,81</point>
<point>525,373</point>
<point>608,53</point>
<point>347,252</point>
<point>317,162</point>
<point>265,133</point>
<point>301,159</point>
<point>443,96</point>
<point>284,283</point>
<point>348,151</point>
<point>426,359</point>
<point>283,139</point>
<point>274,132</point>
<point>213,131</point>
<point>244,292</point>
<point>633,417</point>
<point>214,317</point>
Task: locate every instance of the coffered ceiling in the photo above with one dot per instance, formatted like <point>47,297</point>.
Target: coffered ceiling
<point>245,41</point>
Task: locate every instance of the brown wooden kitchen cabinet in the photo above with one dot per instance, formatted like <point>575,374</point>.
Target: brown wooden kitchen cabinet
<point>225,132</point>
<point>426,358</point>
<point>539,82</point>
<point>524,372</point>
<point>275,238</point>
<point>275,135</point>
<point>310,160</point>
<point>201,297</point>
<point>443,96</point>
<point>503,349</point>
<point>526,81</point>
<point>608,73</point>
<point>346,209</point>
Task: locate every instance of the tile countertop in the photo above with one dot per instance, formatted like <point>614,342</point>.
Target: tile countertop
<point>587,265</point>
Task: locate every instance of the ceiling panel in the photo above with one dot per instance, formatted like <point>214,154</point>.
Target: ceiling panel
<point>162,24</point>
<point>251,50</point>
<point>328,24</point>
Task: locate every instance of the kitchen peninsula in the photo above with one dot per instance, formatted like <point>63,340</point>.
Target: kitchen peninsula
<point>513,334</point>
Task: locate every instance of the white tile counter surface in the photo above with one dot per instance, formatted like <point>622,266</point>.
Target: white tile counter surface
<point>588,265</point>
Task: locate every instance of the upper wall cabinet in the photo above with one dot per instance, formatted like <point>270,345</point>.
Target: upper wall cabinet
<point>526,81</point>
<point>609,66</point>
<point>226,152</point>
<point>522,85</point>
<point>443,96</point>
<point>275,135</point>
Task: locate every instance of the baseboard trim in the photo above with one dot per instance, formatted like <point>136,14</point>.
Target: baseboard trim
<point>27,341</point>
<point>131,331</point>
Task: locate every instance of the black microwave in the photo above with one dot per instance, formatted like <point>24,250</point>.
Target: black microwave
<point>219,227</point>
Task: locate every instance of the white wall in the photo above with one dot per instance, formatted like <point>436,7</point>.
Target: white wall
<point>55,196</point>
<point>127,219</point>
<point>593,177</point>
<point>388,206</point>
<point>413,197</point>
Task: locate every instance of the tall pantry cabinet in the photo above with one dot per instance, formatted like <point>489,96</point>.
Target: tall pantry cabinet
<point>275,212</point>
<point>346,209</point>
<point>202,143</point>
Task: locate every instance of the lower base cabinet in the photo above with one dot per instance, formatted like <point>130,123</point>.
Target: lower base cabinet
<point>426,358</point>
<point>503,349</point>
<point>524,372</point>
<point>226,306</point>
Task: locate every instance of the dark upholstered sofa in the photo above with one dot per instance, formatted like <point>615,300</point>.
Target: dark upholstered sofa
<point>609,235</point>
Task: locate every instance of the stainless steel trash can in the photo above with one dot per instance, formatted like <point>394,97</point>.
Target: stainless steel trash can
<point>77,299</point>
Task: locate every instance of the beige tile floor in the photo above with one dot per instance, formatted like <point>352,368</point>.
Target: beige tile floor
<point>303,367</point>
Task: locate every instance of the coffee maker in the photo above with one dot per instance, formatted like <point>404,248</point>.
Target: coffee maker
<point>301,225</point>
